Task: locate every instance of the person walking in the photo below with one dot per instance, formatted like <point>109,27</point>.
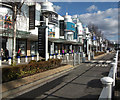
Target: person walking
<point>6,54</point>
<point>2,54</point>
<point>19,52</point>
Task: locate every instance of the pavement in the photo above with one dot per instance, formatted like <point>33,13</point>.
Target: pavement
<point>83,82</point>
<point>16,87</point>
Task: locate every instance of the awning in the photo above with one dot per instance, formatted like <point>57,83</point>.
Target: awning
<point>19,34</point>
<point>63,41</point>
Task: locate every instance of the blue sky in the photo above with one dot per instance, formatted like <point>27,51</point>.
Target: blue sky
<point>102,14</point>
<point>80,7</point>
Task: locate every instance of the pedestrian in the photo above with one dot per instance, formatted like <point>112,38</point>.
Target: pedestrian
<point>19,52</point>
<point>6,54</point>
<point>2,54</point>
<point>65,51</point>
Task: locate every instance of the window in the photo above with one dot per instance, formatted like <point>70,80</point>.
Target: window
<point>32,17</point>
<point>22,45</point>
<point>61,23</point>
<point>34,47</point>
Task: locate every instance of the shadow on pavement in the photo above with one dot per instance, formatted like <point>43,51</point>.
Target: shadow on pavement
<point>39,91</point>
<point>96,83</point>
<point>89,97</point>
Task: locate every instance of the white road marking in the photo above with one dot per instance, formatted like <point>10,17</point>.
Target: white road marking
<point>99,64</point>
<point>101,61</point>
<point>94,61</point>
<point>106,65</point>
<point>103,65</point>
<point>108,61</point>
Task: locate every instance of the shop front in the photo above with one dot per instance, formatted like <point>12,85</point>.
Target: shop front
<point>21,41</point>
<point>63,46</point>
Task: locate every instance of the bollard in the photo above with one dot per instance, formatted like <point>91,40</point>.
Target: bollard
<point>107,82</point>
<point>50,56</point>
<point>54,56</point>
<point>74,62</point>
<point>89,56</point>
<point>58,56</point>
<point>18,59</point>
<point>67,57</point>
<point>72,54</point>
<point>78,58</point>
<point>32,57</point>
<point>26,59</point>
<point>37,56</point>
<point>9,61</point>
<point>0,61</point>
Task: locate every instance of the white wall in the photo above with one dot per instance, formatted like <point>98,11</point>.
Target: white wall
<point>57,33</point>
<point>9,46</point>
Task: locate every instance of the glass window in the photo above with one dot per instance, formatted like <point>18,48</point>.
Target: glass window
<point>34,48</point>
<point>21,44</point>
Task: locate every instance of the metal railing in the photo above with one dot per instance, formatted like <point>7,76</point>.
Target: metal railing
<point>72,58</point>
<point>109,81</point>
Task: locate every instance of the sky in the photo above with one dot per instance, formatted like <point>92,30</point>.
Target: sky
<point>102,14</point>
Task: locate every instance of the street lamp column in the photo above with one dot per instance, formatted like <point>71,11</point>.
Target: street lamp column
<point>46,40</point>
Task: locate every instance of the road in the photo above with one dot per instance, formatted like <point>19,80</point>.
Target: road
<point>83,82</point>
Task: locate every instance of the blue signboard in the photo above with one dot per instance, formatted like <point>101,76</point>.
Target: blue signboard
<point>70,26</point>
<point>75,33</point>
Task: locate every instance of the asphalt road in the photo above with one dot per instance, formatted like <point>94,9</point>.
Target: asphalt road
<point>81,83</point>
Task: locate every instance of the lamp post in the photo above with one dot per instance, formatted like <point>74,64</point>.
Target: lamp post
<point>46,40</point>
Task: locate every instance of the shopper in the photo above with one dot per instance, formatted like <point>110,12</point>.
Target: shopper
<point>2,54</point>
<point>6,54</point>
<point>19,52</point>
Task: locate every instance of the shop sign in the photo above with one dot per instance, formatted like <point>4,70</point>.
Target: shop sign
<point>70,26</point>
<point>7,21</point>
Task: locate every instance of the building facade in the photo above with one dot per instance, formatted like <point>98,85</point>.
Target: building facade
<point>41,29</point>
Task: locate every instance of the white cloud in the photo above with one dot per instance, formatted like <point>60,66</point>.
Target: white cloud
<point>57,8</point>
<point>92,8</point>
<point>106,20</point>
